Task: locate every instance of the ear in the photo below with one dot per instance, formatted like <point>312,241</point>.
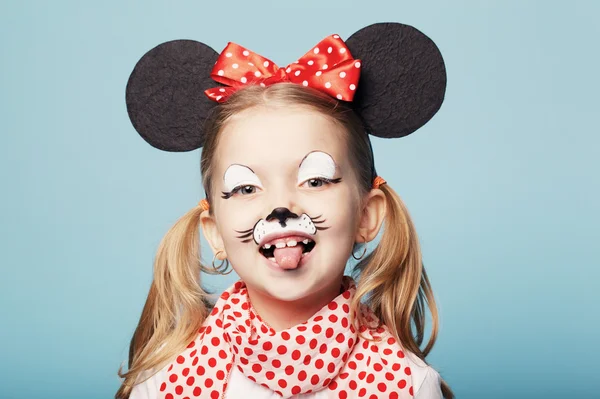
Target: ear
<point>212,234</point>
<point>165,94</point>
<point>372,216</point>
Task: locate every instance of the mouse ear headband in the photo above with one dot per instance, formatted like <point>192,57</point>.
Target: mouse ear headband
<point>391,74</point>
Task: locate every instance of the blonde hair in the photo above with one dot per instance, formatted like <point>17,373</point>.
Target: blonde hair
<point>391,280</point>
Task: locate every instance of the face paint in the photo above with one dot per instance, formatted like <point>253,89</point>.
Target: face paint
<point>237,176</point>
<point>301,145</point>
<point>316,164</point>
<point>286,231</point>
<point>283,237</point>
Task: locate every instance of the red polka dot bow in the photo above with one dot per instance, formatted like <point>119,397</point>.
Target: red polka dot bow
<point>328,67</point>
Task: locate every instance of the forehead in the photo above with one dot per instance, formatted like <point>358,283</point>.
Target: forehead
<point>269,139</point>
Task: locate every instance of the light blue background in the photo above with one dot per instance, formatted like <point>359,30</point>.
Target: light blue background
<point>502,183</point>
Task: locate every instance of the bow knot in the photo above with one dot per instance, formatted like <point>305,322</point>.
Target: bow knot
<point>328,67</point>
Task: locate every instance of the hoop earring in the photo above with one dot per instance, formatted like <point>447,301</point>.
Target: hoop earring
<point>218,269</point>
<point>363,252</point>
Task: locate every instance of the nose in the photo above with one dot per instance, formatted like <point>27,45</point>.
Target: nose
<point>282,215</point>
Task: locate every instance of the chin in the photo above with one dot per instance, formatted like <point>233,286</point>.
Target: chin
<point>296,286</point>
<point>287,293</point>
<point>290,285</point>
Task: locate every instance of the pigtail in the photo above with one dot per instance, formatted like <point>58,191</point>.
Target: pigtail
<point>176,306</point>
<point>394,282</point>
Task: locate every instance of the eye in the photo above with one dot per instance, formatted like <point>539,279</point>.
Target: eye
<point>316,182</point>
<point>244,190</point>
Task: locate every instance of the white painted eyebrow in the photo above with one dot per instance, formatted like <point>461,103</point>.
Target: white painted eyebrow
<point>237,175</point>
<point>316,164</point>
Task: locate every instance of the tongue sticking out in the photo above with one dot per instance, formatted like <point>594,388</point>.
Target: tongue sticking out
<point>288,257</point>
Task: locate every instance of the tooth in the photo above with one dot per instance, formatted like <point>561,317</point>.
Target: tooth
<point>304,254</point>
<point>291,243</point>
<point>267,246</point>
<point>280,245</point>
<point>272,259</point>
<point>305,241</point>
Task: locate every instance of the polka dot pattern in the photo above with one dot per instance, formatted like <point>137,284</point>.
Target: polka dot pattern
<point>323,353</point>
<point>328,67</point>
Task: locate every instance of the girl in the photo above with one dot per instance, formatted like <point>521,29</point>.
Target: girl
<point>291,194</point>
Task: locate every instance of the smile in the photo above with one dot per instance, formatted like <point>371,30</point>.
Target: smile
<point>268,247</point>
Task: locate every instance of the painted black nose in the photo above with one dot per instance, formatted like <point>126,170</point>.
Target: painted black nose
<point>281,214</point>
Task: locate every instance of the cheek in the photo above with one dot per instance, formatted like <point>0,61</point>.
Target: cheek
<point>234,221</point>
<point>339,208</point>
<point>341,215</point>
<point>340,219</point>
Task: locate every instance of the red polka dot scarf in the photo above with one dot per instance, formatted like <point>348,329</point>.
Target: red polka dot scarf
<point>325,352</point>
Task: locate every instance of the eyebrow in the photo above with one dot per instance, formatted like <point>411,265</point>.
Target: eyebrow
<point>238,164</point>
<point>337,167</point>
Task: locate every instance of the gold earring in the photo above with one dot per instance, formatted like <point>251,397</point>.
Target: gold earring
<point>364,250</point>
<point>218,269</point>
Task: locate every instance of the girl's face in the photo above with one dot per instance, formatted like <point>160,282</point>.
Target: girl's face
<point>286,203</point>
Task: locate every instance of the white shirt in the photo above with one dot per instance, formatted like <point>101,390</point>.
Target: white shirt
<point>426,385</point>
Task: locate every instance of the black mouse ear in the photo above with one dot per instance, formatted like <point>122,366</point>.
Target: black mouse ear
<point>165,94</point>
<point>402,81</point>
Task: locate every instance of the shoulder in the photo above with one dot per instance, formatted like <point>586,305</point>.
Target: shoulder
<point>149,385</point>
<point>426,381</point>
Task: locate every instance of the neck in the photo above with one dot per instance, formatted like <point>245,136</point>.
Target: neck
<point>281,315</point>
